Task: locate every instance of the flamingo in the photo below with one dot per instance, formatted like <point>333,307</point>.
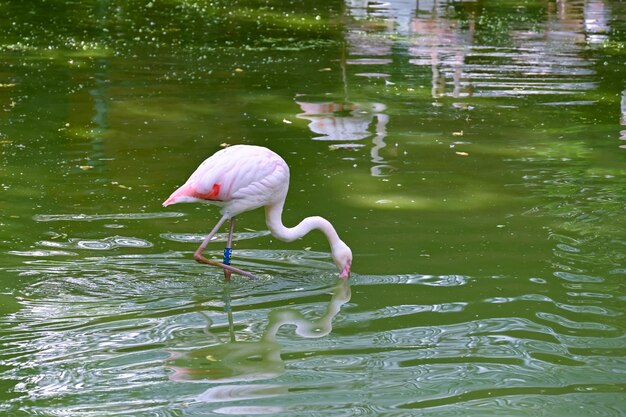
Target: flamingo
<point>241,178</point>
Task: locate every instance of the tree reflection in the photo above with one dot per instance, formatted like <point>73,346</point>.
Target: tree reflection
<point>623,118</point>
<point>450,38</point>
<point>347,124</point>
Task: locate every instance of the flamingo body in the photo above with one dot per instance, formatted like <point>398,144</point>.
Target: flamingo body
<point>238,178</point>
<point>242,178</point>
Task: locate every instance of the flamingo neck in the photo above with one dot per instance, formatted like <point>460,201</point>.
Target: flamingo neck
<point>273,219</point>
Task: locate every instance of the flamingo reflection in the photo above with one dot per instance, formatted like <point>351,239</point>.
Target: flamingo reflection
<point>233,361</point>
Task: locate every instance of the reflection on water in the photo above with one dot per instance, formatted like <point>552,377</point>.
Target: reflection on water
<point>349,123</point>
<point>342,121</point>
<point>545,60</point>
<point>623,118</point>
<point>132,323</point>
<point>157,329</point>
<point>260,359</point>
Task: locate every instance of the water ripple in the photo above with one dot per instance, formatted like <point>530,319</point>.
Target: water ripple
<point>130,325</point>
<point>575,325</point>
<point>110,242</point>
<point>41,253</point>
<point>527,402</point>
<point>110,216</point>
<point>219,237</point>
<point>567,276</point>
<point>430,280</point>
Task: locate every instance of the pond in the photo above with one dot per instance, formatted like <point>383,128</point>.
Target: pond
<point>471,153</point>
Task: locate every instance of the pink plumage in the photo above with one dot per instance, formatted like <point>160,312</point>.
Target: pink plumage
<point>242,178</point>
<point>238,178</point>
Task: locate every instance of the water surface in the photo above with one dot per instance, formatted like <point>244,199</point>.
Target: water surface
<point>471,154</point>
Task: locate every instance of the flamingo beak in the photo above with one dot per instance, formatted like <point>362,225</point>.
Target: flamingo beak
<point>345,272</point>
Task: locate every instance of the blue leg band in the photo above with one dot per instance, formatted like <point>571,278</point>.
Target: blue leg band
<point>227,253</point>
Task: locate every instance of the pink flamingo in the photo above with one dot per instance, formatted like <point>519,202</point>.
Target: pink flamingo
<point>240,178</point>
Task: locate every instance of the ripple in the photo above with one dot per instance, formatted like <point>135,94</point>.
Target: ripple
<point>576,325</point>
<point>132,326</point>
<point>41,253</point>
<point>428,280</point>
<point>251,410</point>
<point>108,324</point>
<point>588,309</point>
<point>369,61</point>
<point>581,278</point>
<point>114,226</point>
<point>567,248</point>
<point>571,103</point>
<point>106,243</point>
<point>225,393</point>
<point>535,401</point>
<point>129,326</point>
<point>373,74</point>
<point>219,237</point>
<point>111,216</point>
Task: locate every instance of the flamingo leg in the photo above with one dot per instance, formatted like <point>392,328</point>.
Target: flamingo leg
<point>228,248</point>
<point>199,258</point>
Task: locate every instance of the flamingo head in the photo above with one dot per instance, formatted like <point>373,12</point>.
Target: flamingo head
<point>342,256</point>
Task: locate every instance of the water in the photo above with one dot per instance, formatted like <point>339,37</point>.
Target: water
<point>472,156</point>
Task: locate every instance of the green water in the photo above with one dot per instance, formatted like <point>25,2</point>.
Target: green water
<point>472,154</point>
